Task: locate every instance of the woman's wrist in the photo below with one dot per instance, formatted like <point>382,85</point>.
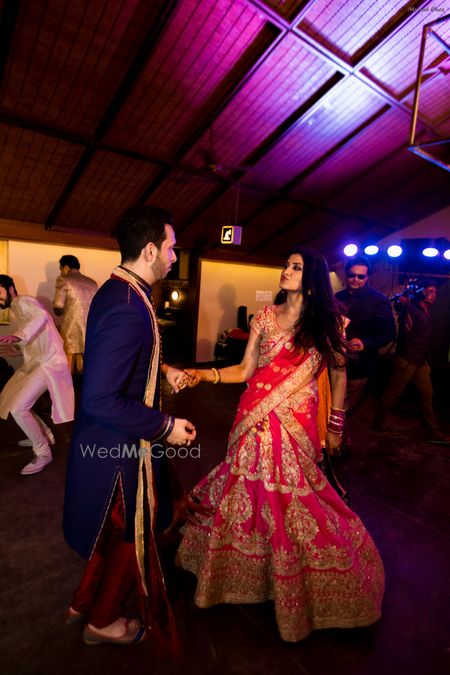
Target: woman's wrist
<point>336,421</point>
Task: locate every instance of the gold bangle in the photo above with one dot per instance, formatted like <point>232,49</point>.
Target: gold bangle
<point>216,375</point>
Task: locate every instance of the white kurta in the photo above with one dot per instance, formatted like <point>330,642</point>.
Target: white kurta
<point>43,351</point>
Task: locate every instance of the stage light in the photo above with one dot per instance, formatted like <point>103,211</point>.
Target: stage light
<point>447,254</point>
<point>372,249</point>
<point>350,250</point>
<point>394,251</point>
<point>430,252</point>
<point>175,295</point>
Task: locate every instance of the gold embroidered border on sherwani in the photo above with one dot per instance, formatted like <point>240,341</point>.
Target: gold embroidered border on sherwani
<point>145,490</point>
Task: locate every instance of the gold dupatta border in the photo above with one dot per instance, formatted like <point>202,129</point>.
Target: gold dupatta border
<point>145,460</point>
<point>298,378</point>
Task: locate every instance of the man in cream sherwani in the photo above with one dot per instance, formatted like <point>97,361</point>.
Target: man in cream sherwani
<point>44,367</point>
<point>73,296</point>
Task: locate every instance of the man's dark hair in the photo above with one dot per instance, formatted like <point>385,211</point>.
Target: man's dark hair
<point>71,261</point>
<point>359,260</point>
<point>426,283</point>
<point>139,226</point>
<point>7,282</point>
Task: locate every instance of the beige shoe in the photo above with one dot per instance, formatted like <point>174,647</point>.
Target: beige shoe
<point>36,465</point>
<point>134,632</point>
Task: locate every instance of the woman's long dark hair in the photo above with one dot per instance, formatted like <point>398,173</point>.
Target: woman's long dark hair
<point>320,322</point>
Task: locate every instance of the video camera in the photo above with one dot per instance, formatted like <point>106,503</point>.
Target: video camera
<point>412,290</point>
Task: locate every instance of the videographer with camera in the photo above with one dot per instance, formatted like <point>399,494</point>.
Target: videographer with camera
<point>371,327</point>
<point>412,358</point>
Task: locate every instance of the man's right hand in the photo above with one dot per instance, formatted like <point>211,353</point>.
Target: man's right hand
<point>183,432</point>
<point>9,339</point>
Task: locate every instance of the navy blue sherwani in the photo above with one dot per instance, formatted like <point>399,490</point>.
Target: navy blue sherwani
<point>112,418</point>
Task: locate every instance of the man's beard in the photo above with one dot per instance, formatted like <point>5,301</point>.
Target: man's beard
<point>6,303</point>
<point>159,269</point>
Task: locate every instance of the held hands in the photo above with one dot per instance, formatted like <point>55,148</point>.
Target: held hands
<point>178,379</point>
<point>194,375</point>
<point>183,432</point>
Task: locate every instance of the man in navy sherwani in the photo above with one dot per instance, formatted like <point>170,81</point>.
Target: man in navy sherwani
<point>118,427</point>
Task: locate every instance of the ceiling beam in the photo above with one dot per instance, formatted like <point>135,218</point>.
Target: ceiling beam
<point>217,102</point>
<point>138,64</point>
<point>291,122</point>
<point>294,182</point>
<point>396,23</point>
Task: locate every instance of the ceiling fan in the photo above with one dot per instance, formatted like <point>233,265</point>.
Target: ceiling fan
<point>209,166</point>
<point>211,163</point>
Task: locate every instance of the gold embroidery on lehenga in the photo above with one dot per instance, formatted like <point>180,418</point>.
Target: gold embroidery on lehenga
<point>236,506</point>
<point>268,516</point>
<point>280,532</point>
<point>289,461</point>
<point>300,377</point>
<point>300,524</point>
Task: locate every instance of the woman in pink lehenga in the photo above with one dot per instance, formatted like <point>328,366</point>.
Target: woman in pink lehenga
<point>269,526</point>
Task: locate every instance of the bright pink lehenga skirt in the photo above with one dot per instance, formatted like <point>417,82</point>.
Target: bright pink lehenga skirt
<point>278,531</point>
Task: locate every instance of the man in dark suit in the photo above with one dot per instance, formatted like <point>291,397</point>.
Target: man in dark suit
<point>117,492</point>
<point>371,327</point>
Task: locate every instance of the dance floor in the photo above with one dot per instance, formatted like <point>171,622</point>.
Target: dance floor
<point>397,483</point>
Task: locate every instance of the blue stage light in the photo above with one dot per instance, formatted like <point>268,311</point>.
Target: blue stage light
<point>372,249</point>
<point>350,250</point>
<point>447,254</point>
<point>394,251</point>
<point>430,252</point>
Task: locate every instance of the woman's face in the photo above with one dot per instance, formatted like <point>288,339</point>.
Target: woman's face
<point>292,274</point>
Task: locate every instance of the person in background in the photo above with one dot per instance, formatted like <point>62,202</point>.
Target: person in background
<point>44,368</point>
<point>412,361</point>
<point>73,296</point>
<point>371,326</point>
<point>271,527</point>
<point>119,489</point>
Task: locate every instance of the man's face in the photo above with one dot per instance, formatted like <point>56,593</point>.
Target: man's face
<point>357,277</point>
<point>166,255</point>
<point>5,298</point>
<point>430,294</point>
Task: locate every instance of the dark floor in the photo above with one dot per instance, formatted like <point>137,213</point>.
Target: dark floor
<point>397,483</point>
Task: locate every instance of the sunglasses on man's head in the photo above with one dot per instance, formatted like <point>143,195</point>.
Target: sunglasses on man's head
<point>352,275</point>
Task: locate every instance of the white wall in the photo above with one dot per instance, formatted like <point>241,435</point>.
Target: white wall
<point>435,226</point>
<point>34,268</point>
<point>223,288</point>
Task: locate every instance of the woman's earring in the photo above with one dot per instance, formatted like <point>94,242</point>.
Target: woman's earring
<point>309,292</point>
